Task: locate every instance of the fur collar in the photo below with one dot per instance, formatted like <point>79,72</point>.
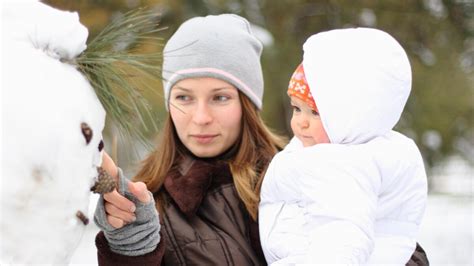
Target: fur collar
<point>188,184</point>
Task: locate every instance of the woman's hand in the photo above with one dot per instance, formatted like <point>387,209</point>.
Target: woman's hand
<point>120,210</point>
<point>109,166</point>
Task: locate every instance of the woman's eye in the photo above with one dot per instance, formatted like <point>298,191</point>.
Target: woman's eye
<point>221,98</point>
<point>183,98</point>
<point>314,112</point>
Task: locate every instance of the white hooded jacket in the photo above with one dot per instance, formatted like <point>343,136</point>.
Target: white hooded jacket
<point>361,198</point>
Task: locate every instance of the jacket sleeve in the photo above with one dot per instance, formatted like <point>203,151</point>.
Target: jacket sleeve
<point>339,191</point>
<point>419,257</point>
<point>106,257</point>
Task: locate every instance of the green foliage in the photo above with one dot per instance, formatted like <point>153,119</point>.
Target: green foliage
<point>117,70</point>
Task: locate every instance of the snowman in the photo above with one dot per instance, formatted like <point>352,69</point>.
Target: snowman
<point>52,122</point>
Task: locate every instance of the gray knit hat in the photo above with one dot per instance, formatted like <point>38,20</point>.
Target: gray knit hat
<point>221,47</point>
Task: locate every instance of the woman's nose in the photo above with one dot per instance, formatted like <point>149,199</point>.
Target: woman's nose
<point>202,115</point>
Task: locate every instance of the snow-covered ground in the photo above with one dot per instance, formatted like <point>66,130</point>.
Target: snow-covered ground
<point>447,230</point>
<point>446,234</point>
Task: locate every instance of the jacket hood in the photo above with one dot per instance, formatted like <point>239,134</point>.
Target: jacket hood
<point>360,80</point>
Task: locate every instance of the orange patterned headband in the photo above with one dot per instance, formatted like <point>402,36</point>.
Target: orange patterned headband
<point>299,87</point>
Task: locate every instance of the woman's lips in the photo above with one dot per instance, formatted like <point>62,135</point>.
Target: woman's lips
<point>204,138</point>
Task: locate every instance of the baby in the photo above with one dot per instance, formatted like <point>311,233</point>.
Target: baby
<point>347,189</point>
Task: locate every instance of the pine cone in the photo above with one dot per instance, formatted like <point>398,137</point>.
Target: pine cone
<point>105,183</point>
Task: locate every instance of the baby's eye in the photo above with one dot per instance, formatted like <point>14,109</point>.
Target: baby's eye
<point>296,108</point>
<point>314,112</point>
<point>221,98</point>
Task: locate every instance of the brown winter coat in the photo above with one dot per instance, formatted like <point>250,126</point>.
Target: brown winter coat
<point>205,224</point>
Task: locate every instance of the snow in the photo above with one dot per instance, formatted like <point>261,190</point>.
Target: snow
<point>31,23</point>
<point>86,252</point>
<point>447,230</point>
<point>453,176</point>
<point>47,161</point>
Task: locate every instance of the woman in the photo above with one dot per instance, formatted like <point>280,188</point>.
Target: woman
<point>206,172</point>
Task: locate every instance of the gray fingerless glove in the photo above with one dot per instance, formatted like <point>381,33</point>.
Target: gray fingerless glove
<point>134,239</point>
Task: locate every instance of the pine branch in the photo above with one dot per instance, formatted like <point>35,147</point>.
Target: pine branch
<point>115,69</point>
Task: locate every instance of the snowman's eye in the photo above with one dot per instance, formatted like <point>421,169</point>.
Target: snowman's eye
<point>86,131</point>
<point>101,145</point>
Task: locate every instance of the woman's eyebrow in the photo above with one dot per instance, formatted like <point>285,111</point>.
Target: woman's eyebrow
<point>183,89</point>
<point>222,88</point>
<point>188,90</point>
<point>216,88</point>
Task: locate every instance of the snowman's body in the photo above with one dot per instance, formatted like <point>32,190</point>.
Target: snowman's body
<point>48,164</point>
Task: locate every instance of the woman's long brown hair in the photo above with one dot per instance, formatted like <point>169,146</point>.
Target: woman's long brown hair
<point>257,145</point>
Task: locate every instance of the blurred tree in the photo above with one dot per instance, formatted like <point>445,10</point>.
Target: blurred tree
<point>438,36</point>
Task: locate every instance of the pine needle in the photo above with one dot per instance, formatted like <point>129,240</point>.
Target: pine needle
<point>116,69</point>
